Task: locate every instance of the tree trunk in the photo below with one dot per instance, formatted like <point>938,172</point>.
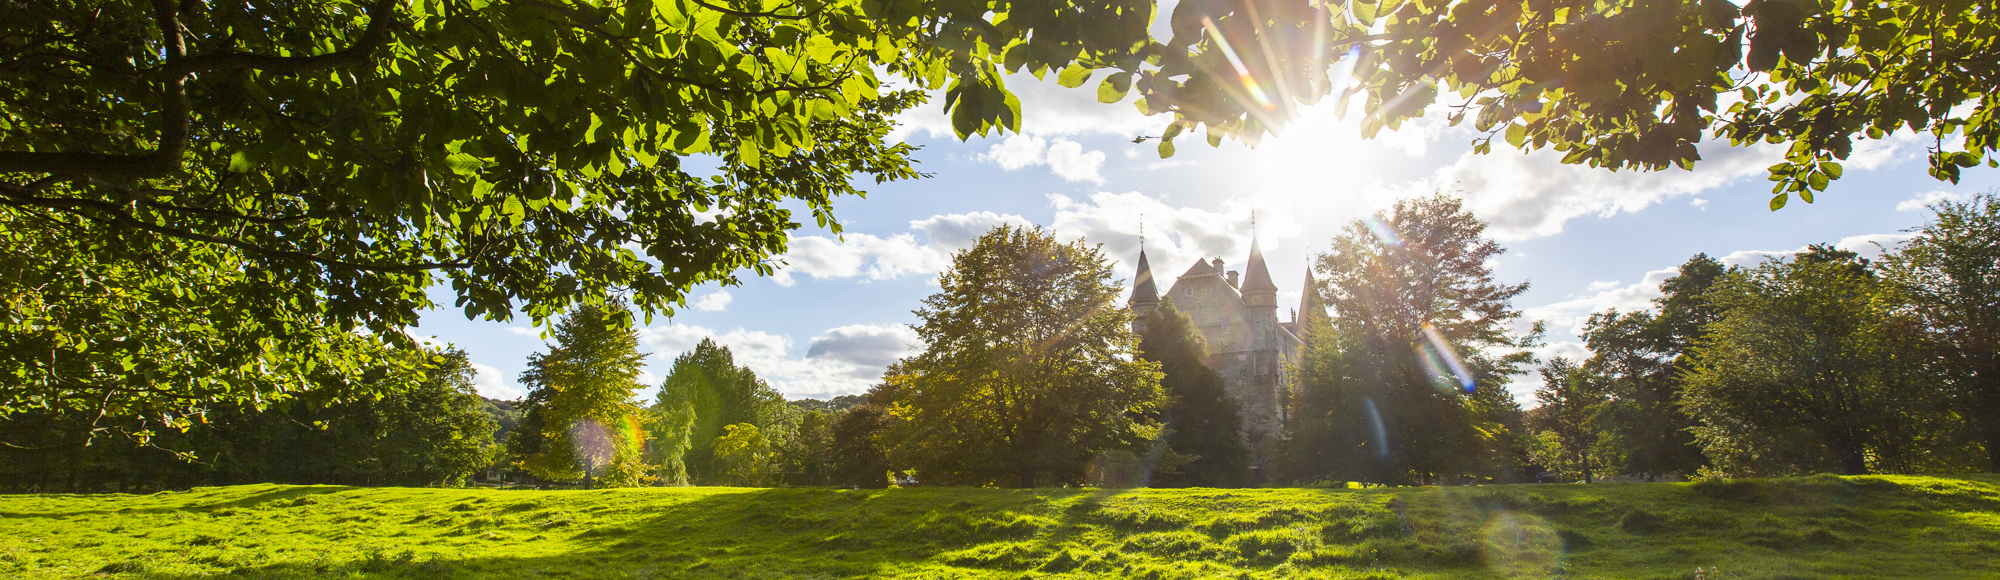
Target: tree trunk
<point>1853,461</point>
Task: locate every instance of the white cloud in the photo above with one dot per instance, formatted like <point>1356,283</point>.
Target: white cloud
<point>1867,245</point>
<point>1699,202</point>
<point>1068,160</point>
<point>1533,195</point>
<point>1065,158</point>
<point>958,231</point>
<point>1568,316</point>
<point>714,301</point>
<point>868,347</point>
<point>488,382</point>
<point>840,361</point>
<point>855,254</point>
<point>1926,199</point>
<point>1175,236</point>
<point>524,331</point>
<point>1018,151</point>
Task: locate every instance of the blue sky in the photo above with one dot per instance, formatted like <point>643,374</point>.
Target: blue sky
<point>1585,239</point>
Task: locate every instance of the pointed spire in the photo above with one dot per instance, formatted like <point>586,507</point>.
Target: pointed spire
<point>1143,289</point>
<point>1255,275</point>
<point>1311,310</point>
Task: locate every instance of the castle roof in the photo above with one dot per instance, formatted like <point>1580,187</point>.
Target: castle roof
<point>1256,276</point>
<point>1143,289</point>
<point>1201,268</point>
<point>1310,308</point>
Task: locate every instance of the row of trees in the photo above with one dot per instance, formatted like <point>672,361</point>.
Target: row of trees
<point>419,424</point>
<point>1030,377</point>
<point>1823,362</point>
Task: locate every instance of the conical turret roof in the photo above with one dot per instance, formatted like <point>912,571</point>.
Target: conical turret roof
<point>1143,289</point>
<point>1310,308</point>
<point>1256,276</point>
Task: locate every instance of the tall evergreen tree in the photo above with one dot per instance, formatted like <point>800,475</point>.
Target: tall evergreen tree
<point>704,393</point>
<point>581,406</point>
<point>1200,420</point>
<point>1406,385</point>
<point>1028,374</point>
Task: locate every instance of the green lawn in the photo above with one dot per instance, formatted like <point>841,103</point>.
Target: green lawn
<point>1933,528</point>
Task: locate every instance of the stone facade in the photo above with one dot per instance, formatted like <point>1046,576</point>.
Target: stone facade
<point>1247,343</point>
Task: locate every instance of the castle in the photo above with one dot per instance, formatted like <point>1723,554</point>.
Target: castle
<point>1247,344</point>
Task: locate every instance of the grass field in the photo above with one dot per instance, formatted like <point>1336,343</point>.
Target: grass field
<point>1820,527</point>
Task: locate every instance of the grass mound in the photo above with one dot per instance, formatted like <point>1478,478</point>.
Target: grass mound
<point>1818,527</point>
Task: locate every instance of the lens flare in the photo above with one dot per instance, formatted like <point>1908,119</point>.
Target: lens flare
<point>1242,72</point>
<point>1442,361</point>
<point>1520,546</point>
<point>1383,231</point>
<point>592,443</point>
<point>1381,440</point>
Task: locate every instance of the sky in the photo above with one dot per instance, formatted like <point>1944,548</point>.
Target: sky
<point>1584,239</point>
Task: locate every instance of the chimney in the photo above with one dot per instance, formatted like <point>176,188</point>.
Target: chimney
<point>1232,278</point>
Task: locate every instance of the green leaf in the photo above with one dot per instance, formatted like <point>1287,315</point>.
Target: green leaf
<point>1114,87</point>
<point>1073,76</point>
<point>1517,134</point>
<point>1832,169</point>
<point>240,163</point>
<point>1166,148</point>
<point>1778,201</point>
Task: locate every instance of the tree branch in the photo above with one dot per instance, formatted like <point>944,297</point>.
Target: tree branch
<point>166,155</point>
<point>380,15</point>
<point>10,195</point>
<point>165,158</point>
<point>772,15</point>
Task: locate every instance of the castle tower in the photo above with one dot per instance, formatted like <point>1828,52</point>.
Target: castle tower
<point>1145,296</point>
<point>1312,312</point>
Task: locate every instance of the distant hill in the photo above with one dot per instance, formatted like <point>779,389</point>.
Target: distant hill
<point>1933,528</point>
<point>833,405</point>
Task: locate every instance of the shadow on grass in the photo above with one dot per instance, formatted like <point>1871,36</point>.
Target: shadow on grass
<point>255,499</point>
<point>1818,527</point>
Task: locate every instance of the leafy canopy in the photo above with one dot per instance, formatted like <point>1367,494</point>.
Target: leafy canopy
<point>1028,373</point>
<point>580,403</point>
<point>209,195</point>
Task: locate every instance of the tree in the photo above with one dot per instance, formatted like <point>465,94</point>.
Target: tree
<point>1950,275</point>
<point>580,402</point>
<point>310,167</point>
<point>104,343</point>
<point>1632,84</point>
<point>426,429</point>
<point>1569,398</point>
<point>1200,421</point>
<point>708,392</point>
<point>1028,372</point>
<point>743,455</point>
<point>804,457</point>
<point>1405,385</point>
<point>1810,369</point>
<point>1640,357</point>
